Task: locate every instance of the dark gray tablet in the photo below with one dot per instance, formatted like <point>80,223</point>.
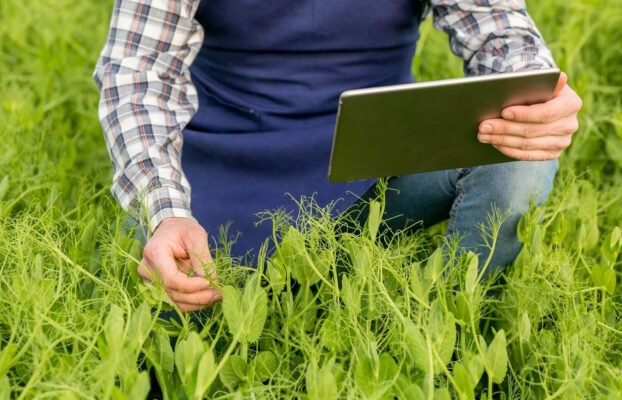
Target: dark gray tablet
<point>429,126</point>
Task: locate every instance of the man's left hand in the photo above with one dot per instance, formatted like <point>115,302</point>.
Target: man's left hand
<point>536,132</point>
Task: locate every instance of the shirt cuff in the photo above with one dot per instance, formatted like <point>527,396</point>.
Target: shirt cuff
<point>166,202</point>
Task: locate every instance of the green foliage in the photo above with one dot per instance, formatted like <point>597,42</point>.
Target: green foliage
<point>327,315</point>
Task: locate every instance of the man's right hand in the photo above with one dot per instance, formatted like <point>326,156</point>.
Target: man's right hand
<point>179,245</point>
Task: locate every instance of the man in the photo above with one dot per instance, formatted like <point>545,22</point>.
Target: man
<point>253,85</point>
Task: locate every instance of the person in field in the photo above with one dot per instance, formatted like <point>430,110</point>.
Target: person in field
<point>251,87</point>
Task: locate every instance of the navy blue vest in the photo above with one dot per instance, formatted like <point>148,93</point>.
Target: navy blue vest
<point>269,76</point>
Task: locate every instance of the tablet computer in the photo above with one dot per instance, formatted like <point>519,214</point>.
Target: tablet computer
<point>429,126</point>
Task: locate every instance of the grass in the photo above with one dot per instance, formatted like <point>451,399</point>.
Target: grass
<point>75,322</point>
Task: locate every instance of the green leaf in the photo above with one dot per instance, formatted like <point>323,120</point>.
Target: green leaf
<point>471,273</point>
<point>463,308</point>
<point>416,346</point>
<point>264,365</point>
<point>5,388</point>
<point>4,186</point>
<point>536,240</point>
<point>364,376</point>
<point>434,266</point>
<point>497,357</point>
<point>87,238</point>
<point>139,328</point>
<point>140,388</point>
<point>416,283</point>
<point>322,383</point>
<point>188,353</point>
<point>245,313</point>
<point>276,276</point>
<point>442,394</point>
<point>604,276</point>
<point>112,333</point>
<point>387,368</point>
<point>475,366</point>
<point>610,248</point>
<point>559,229</point>
<point>159,352</point>
<point>464,384</point>
<point>407,390</point>
<point>233,371</point>
<point>361,261</point>
<point>6,358</point>
<point>206,368</point>
<point>373,221</point>
<point>524,328</point>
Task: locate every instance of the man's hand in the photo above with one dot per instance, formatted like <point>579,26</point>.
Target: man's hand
<point>536,132</point>
<point>178,246</point>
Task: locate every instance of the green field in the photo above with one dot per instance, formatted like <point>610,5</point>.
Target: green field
<point>327,316</point>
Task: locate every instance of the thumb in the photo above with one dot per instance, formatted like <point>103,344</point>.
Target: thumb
<point>561,83</point>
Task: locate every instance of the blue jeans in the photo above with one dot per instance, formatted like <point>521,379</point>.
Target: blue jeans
<point>466,196</point>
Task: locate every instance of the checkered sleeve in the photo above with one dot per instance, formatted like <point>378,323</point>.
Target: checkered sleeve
<point>146,100</point>
<point>491,36</point>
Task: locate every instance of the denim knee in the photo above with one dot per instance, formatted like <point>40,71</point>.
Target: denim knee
<point>515,185</point>
<point>510,187</point>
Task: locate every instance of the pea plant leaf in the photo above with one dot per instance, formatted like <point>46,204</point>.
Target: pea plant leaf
<point>471,273</point>
<point>434,266</point>
<point>4,186</point>
<point>497,357</point>
<point>610,248</point>
<point>139,327</point>
<point>416,346</point>
<point>442,333</point>
<point>322,382</point>
<point>206,367</point>
<point>188,353</point>
<point>233,371</point>
<point>305,268</point>
<point>5,388</point>
<point>374,218</point>
<point>140,387</point>
<point>474,365</point>
<point>264,365</point>
<point>6,358</point>
<point>245,313</point>
<point>524,328</point>
<point>464,383</point>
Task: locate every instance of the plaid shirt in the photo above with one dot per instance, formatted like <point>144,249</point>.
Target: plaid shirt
<point>147,97</point>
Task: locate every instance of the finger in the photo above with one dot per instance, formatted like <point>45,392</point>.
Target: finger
<point>561,127</point>
<point>523,143</point>
<point>145,274</point>
<point>528,155</point>
<point>566,104</point>
<point>561,82</point>
<point>203,297</point>
<point>198,252</point>
<point>162,261</point>
<point>184,266</point>
<point>183,307</point>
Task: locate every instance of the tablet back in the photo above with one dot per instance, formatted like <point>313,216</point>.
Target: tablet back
<point>405,129</point>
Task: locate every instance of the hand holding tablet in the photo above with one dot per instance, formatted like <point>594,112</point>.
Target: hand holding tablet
<point>429,126</point>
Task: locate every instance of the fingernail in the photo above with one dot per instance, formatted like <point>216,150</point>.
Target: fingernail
<point>484,138</point>
<point>486,129</point>
<point>217,297</point>
<point>507,114</point>
<point>201,273</point>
